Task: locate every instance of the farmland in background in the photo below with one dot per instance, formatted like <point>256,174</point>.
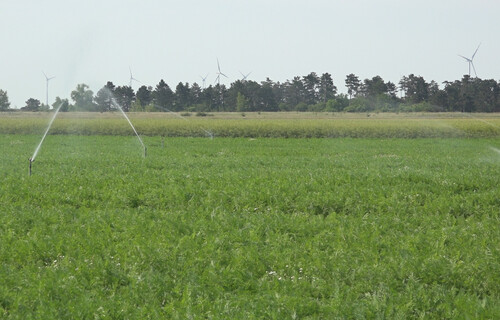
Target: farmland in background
<point>254,125</point>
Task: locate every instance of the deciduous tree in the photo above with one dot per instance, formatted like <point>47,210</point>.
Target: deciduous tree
<point>32,105</point>
<point>241,103</point>
<point>62,103</point>
<point>416,89</point>
<point>83,98</point>
<point>4,101</point>
<point>374,86</point>
<point>104,97</point>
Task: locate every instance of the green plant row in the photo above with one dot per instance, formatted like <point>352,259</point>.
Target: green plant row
<point>254,128</point>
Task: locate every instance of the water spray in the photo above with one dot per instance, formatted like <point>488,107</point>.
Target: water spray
<point>482,120</point>
<point>495,149</point>
<point>116,105</point>
<point>32,159</point>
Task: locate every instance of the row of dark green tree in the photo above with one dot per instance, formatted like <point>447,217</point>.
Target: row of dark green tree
<point>312,92</point>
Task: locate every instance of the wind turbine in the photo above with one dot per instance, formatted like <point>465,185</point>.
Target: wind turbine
<point>219,73</point>
<point>245,76</point>
<point>204,78</point>
<point>47,79</point>
<point>132,78</point>
<point>471,60</point>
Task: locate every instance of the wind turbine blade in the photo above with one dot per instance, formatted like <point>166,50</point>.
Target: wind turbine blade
<point>47,78</point>
<point>475,51</point>
<point>223,75</point>
<point>464,57</point>
<point>474,68</point>
<point>218,65</point>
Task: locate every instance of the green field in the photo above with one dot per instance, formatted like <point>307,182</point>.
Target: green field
<point>251,228</point>
<point>260,125</point>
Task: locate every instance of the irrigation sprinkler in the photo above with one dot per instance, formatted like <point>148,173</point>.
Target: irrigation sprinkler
<point>31,161</point>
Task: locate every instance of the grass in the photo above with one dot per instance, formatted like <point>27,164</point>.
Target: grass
<point>249,228</point>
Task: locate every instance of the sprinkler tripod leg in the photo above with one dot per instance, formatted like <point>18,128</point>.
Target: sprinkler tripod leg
<point>31,161</point>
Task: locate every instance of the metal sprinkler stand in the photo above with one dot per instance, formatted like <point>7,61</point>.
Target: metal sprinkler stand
<point>31,161</point>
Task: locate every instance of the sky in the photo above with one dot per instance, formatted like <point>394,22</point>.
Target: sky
<point>96,41</point>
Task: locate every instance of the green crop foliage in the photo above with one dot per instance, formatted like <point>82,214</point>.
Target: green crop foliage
<point>249,228</point>
<point>287,125</point>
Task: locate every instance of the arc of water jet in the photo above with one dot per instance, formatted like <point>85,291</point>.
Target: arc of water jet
<point>32,159</point>
<point>496,150</point>
<point>482,120</point>
<point>116,105</point>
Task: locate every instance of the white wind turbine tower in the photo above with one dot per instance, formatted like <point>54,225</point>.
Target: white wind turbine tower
<point>47,79</point>
<point>132,78</point>
<point>471,60</point>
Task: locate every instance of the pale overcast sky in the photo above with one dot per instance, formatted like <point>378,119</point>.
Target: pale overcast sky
<point>96,41</point>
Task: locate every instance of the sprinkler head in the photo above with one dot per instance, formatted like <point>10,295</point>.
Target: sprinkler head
<point>31,161</point>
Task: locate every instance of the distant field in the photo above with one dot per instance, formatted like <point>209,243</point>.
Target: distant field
<point>259,115</point>
<point>250,228</point>
<point>284,125</point>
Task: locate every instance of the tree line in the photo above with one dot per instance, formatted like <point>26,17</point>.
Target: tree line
<point>312,92</point>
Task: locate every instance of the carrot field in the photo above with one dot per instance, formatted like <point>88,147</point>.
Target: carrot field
<point>272,217</point>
